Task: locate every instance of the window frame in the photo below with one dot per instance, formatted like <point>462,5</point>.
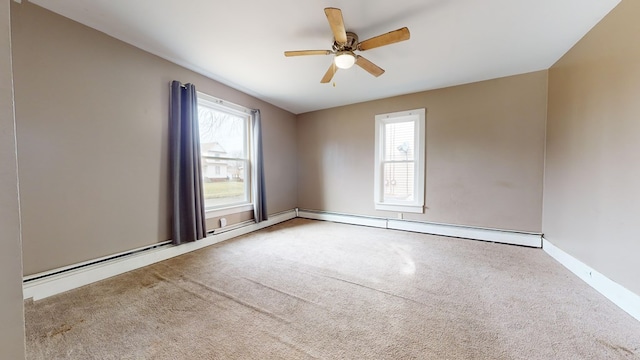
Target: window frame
<point>223,106</point>
<point>417,116</point>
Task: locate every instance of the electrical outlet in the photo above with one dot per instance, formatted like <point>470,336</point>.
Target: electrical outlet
<point>400,216</point>
<point>223,222</point>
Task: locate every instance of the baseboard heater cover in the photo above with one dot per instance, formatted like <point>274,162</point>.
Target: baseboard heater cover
<point>457,231</point>
<point>93,262</point>
<point>42,285</point>
<point>343,218</point>
<point>45,284</point>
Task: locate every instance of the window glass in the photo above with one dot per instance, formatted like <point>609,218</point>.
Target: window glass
<point>399,140</point>
<point>224,139</point>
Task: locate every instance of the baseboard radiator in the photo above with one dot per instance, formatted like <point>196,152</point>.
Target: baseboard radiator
<point>45,284</point>
<point>616,293</point>
<point>94,262</point>
<point>457,231</point>
<point>42,285</point>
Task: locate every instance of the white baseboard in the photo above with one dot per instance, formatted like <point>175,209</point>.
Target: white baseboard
<point>71,279</point>
<point>473,233</point>
<point>619,295</point>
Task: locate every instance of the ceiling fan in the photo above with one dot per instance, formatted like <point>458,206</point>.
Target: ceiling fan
<point>346,43</point>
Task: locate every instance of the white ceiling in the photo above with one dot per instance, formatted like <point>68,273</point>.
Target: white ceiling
<point>241,43</point>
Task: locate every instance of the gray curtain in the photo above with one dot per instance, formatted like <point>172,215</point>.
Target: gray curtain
<point>186,174</point>
<point>260,198</point>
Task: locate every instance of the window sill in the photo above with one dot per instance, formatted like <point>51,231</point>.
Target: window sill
<point>418,209</point>
<point>209,214</point>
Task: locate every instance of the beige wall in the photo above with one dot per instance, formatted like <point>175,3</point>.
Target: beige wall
<point>484,154</point>
<point>592,179</point>
<point>92,128</point>
<point>11,312</point>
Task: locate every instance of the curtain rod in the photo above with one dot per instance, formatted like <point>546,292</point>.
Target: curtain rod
<point>227,103</point>
<point>221,102</point>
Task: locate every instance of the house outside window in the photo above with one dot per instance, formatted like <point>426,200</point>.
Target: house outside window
<point>399,161</point>
<point>225,151</point>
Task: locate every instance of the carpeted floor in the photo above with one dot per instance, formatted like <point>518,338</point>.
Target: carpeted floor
<point>319,290</point>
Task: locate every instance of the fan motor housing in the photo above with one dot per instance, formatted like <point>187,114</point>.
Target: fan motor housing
<point>350,45</point>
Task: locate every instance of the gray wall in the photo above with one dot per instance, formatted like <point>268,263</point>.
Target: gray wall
<point>592,178</point>
<point>484,154</point>
<point>92,129</point>
<point>11,312</point>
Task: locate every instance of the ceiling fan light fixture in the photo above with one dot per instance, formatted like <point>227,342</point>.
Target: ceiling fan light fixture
<point>345,59</point>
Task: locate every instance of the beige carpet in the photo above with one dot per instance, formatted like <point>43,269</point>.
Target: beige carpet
<point>319,290</point>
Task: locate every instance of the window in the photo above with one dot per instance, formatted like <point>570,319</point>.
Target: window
<point>399,161</point>
<point>225,150</point>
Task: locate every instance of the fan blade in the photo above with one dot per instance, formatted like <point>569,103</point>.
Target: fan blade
<point>307,52</point>
<point>329,74</point>
<point>385,39</point>
<point>337,24</point>
<point>370,67</point>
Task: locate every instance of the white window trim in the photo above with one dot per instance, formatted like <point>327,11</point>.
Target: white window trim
<point>417,205</point>
<point>242,111</point>
<point>225,105</point>
<point>234,209</point>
